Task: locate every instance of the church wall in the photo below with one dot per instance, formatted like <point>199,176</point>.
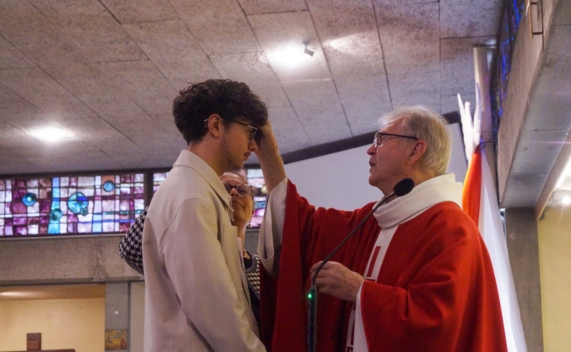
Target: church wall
<point>66,260</point>
<point>63,260</point>
<point>64,323</point>
<point>522,245</point>
<point>554,236</point>
<point>137,316</point>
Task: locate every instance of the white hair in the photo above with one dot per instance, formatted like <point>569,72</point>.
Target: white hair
<point>429,126</point>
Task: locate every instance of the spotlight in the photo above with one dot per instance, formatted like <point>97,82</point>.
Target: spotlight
<point>306,50</point>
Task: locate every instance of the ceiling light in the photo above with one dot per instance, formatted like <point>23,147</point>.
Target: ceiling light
<point>52,134</point>
<point>291,56</point>
<point>566,200</point>
<point>17,294</point>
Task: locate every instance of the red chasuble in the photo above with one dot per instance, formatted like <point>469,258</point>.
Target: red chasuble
<point>436,289</point>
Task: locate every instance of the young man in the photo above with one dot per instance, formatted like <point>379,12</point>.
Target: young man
<point>416,276</point>
<point>196,290</point>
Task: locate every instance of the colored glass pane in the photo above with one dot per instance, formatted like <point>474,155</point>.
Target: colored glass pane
<point>70,204</point>
<point>513,13</point>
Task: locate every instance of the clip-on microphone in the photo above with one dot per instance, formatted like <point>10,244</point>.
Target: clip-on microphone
<point>402,188</point>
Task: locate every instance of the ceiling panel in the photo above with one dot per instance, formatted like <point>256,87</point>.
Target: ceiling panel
<point>220,28</point>
<point>342,19</point>
<point>141,10</point>
<point>90,26</point>
<point>146,130</point>
<point>254,69</point>
<point>166,121</point>
<point>35,36</point>
<point>97,91</point>
<point>457,64</point>
<point>267,6</point>
<point>323,105</point>
<point>469,18</point>
<point>17,110</point>
<point>45,93</point>
<point>174,50</point>
<point>419,83</point>
<point>143,83</point>
<point>16,139</point>
<point>10,57</point>
<point>294,134</point>
<point>409,36</point>
<point>103,135</point>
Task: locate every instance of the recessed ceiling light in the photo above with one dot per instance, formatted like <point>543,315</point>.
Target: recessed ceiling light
<point>17,294</point>
<point>52,134</point>
<point>292,55</point>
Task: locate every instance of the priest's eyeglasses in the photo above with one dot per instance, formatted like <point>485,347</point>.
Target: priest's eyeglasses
<point>380,137</point>
<point>243,190</point>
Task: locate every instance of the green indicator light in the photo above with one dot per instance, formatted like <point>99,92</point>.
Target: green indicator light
<point>309,296</point>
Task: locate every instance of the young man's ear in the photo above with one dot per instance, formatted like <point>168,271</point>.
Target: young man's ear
<point>213,124</point>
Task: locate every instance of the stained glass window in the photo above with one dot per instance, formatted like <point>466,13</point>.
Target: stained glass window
<point>513,12</point>
<point>70,204</point>
<point>158,178</point>
<point>256,179</point>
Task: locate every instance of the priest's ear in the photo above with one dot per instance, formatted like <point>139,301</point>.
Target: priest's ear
<point>416,152</point>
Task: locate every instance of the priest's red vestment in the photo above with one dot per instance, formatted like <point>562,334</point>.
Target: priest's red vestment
<point>435,291</point>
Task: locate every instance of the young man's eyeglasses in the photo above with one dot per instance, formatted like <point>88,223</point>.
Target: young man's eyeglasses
<point>242,189</point>
<point>380,137</point>
<point>252,130</point>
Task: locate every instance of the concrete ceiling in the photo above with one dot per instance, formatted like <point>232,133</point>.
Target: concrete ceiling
<point>108,70</point>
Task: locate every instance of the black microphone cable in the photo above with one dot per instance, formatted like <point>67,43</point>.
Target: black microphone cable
<point>402,188</point>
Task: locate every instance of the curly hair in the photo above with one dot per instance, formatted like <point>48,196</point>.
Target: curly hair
<point>425,124</point>
<point>229,99</point>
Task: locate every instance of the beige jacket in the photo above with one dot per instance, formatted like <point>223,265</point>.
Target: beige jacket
<point>196,291</point>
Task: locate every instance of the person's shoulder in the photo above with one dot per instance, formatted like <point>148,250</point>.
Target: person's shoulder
<point>446,214</point>
<point>448,206</point>
<point>183,181</point>
<point>451,217</point>
<point>443,225</point>
<point>183,186</point>
<point>448,211</point>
